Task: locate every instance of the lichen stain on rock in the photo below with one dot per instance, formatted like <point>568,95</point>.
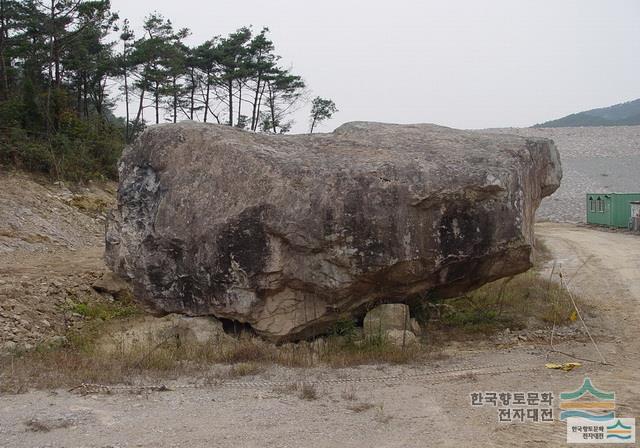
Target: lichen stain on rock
<point>242,246</point>
<point>465,230</point>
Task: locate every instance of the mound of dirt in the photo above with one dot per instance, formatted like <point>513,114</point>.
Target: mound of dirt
<point>51,248</point>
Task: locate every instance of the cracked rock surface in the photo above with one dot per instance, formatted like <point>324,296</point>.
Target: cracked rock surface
<point>291,233</point>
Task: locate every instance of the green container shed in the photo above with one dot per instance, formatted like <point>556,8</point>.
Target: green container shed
<point>610,209</point>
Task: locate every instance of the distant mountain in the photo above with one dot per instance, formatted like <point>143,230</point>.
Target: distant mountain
<point>624,114</point>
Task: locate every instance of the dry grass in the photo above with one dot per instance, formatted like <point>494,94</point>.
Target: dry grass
<point>84,360</point>
<point>287,389</point>
<point>29,238</point>
<point>360,407</point>
<point>37,425</point>
<point>90,204</point>
<point>381,417</point>
<point>340,352</point>
<point>522,301</point>
<point>245,369</point>
<point>467,377</point>
<point>349,394</point>
<point>308,392</point>
<point>304,391</point>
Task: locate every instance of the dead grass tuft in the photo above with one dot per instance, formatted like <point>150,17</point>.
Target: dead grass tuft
<point>467,377</point>
<point>245,369</point>
<point>381,417</point>
<point>360,407</point>
<point>36,426</point>
<point>349,394</point>
<point>308,392</point>
<point>286,389</point>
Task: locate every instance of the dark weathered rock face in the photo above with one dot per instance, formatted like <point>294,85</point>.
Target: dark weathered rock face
<point>289,234</point>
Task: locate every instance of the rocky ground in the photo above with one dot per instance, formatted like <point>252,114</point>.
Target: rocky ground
<point>594,159</point>
<point>51,247</point>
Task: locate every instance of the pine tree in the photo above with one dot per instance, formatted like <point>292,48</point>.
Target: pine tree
<point>321,109</point>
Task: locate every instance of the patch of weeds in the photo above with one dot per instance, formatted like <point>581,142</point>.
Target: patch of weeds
<point>94,353</point>
<point>360,407</point>
<point>90,204</point>
<point>39,425</point>
<point>245,369</point>
<point>518,302</point>
<point>308,391</point>
<point>381,417</point>
<point>421,309</point>
<point>344,327</point>
<point>341,352</point>
<point>105,311</point>
<point>474,318</point>
<point>286,389</point>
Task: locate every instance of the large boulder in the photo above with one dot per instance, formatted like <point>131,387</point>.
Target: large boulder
<point>292,233</point>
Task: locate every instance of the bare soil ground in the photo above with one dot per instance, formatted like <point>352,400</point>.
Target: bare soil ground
<point>51,246</point>
<point>419,405</point>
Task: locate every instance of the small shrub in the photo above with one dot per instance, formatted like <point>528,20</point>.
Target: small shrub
<point>344,327</point>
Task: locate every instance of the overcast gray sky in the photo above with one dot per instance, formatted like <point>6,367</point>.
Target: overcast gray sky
<point>459,63</point>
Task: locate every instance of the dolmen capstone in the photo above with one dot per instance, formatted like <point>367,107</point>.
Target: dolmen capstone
<point>290,234</point>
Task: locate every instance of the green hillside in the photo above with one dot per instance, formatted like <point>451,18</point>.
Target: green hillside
<point>624,114</point>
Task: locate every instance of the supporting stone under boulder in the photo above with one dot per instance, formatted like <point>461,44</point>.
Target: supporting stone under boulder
<point>391,322</point>
<point>292,233</point>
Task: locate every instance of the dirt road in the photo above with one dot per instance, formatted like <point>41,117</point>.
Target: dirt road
<point>605,268</point>
<point>400,406</point>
